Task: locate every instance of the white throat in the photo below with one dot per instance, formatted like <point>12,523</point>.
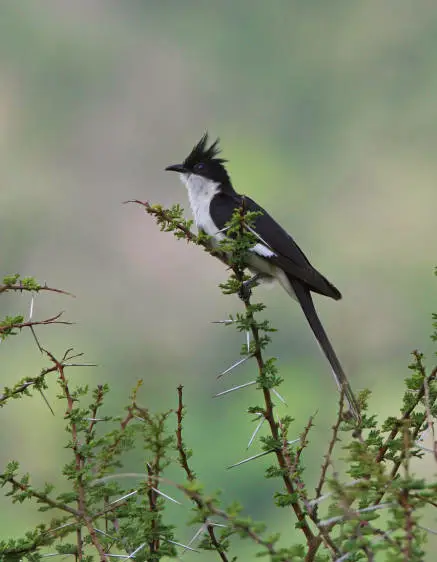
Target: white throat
<point>200,193</point>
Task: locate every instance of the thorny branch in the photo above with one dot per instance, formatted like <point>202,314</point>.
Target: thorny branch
<point>208,505</point>
<point>22,387</point>
<point>165,218</point>
<point>274,427</point>
<point>20,287</point>
<point>80,461</point>
<point>407,414</point>
<point>183,460</point>
<point>292,467</point>
<point>328,457</point>
<point>31,323</point>
<point>406,417</point>
<point>43,498</point>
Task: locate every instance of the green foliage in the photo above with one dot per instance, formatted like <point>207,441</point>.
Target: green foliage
<point>9,326</point>
<point>374,507</point>
<point>23,284</point>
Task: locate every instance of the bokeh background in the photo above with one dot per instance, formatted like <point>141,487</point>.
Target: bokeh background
<point>327,112</point>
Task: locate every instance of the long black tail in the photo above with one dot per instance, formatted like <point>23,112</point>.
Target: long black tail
<point>306,302</point>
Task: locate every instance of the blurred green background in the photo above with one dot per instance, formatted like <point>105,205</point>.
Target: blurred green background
<point>328,114</point>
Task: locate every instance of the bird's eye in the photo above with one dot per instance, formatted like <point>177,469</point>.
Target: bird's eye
<point>199,167</point>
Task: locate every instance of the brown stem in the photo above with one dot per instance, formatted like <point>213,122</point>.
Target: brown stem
<point>151,483</point>
<point>183,460</point>
<point>407,414</point>
<point>236,524</point>
<point>20,287</point>
<point>79,460</point>
<point>43,498</point>
<point>22,387</point>
<point>334,439</point>
<point>273,425</point>
<point>30,324</point>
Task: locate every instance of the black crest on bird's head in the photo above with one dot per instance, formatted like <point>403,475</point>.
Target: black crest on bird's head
<point>203,160</point>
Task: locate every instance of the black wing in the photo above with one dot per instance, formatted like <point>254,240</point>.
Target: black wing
<point>287,254</point>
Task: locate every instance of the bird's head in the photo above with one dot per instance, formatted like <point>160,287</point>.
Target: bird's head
<point>202,161</point>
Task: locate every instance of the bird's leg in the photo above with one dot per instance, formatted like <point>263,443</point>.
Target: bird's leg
<point>245,290</point>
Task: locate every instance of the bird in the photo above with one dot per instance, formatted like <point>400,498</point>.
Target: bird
<point>274,257</point>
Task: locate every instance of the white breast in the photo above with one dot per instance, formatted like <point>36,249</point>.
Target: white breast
<point>200,193</point>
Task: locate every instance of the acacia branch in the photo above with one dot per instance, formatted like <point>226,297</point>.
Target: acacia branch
<point>168,221</point>
<point>208,505</point>
<point>42,498</point>
<point>334,439</point>
<point>407,414</point>
<point>22,387</point>
<point>79,461</point>
<point>20,287</point>
<point>400,424</point>
<point>183,461</point>
<point>31,323</point>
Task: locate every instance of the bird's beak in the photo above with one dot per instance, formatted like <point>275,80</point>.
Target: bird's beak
<point>177,168</point>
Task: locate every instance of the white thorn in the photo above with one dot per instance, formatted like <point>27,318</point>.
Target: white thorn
<point>331,520</point>
<point>427,529</point>
<point>229,369</point>
<point>224,229</point>
<point>279,396</point>
<point>119,475</point>
<point>103,533</point>
<point>258,236</point>
<point>124,497</point>
<point>132,554</point>
<point>344,557</point>
<point>258,427</point>
<point>165,495</point>
<point>234,388</point>
<point>184,546</point>
<point>60,527</point>
<point>252,458</point>
<point>199,531</point>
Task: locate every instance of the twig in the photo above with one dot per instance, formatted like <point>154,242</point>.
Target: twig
<point>43,498</point>
<point>183,460</point>
<point>429,415</point>
<point>79,460</point>
<point>401,422</point>
<point>334,439</point>
<point>406,416</point>
<point>165,218</point>
<point>236,523</point>
<point>31,324</point>
<point>268,405</point>
<point>20,287</point>
<point>22,387</point>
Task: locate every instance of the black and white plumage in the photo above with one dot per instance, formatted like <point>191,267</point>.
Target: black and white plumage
<point>275,257</point>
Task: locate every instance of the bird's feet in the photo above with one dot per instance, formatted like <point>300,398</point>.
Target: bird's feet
<point>245,290</point>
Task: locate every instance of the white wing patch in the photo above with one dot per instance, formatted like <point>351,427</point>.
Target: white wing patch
<point>200,193</point>
<point>263,251</point>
